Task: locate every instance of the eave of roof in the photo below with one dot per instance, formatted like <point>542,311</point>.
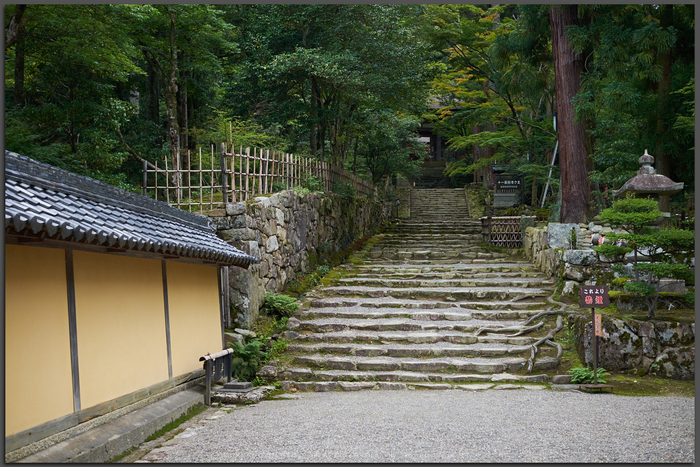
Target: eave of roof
<point>43,199</point>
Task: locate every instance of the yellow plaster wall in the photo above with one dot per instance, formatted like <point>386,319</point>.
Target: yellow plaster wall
<point>121,325</point>
<point>38,384</point>
<point>195,323</point>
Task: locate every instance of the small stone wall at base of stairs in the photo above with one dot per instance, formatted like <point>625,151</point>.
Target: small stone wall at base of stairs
<point>660,348</point>
<point>288,232</point>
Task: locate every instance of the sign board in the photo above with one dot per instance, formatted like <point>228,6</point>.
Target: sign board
<point>508,190</point>
<point>594,296</point>
<point>598,324</point>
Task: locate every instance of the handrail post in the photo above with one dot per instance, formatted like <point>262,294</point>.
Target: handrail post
<point>207,382</point>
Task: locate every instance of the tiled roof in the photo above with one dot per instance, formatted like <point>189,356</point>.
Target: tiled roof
<point>62,205</point>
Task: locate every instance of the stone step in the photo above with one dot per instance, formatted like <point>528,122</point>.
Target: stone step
<point>449,314</point>
<point>426,262</point>
<point>526,303</point>
<point>459,274</point>
<point>476,365</point>
<point>389,254</point>
<point>439,293</point>
<point>414,350</point>
<point>408,337</point>
<point>498,267</point>
<point>401,324</point>
<point>466,282</point>
<point>307,374</point>
<point>382,385</point>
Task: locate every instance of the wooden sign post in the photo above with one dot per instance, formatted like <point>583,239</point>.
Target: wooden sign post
<point>595,296</point>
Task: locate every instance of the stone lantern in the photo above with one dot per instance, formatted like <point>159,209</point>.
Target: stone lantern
<point>648,184</point>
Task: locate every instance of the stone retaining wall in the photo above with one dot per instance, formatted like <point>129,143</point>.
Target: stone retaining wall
<point>662,348</point>
<point>288,232</point>
<point>657,347</point>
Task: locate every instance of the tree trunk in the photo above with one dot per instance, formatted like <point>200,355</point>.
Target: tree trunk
<point>575,189</point>
<point>170,94</point>
<point>315,100</point>
<point>17,23</point>
<point>19,62</point>
<point>663,158</point>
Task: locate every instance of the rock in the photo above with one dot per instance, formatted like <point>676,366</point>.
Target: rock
<point>248,334</point>
<point>675,363</point>
<point>271,244</point>
<point>673,286</point>
<point>580,257</point>
<point>267,371</point>
<point>508,386</point>
<point>355,385</point>
<point>558,234</point>
<point>293,323</point>
<point>575,273</point>
<point>505,377</point>
<point>325,386</point>
<point>475,387</point>
<point>235,209</point>
<point>569,288</point>
<point>232,337</point>
<point>562,379</point>
<point>391,386</point>
<point>217,213</point>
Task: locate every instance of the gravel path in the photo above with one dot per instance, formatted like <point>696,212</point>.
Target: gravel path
<point>444,426</point>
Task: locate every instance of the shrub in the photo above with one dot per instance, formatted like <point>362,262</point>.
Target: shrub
<point>279,305</point>
<point>584,374</point>
<point>246,359</point>
<point>668,250</point>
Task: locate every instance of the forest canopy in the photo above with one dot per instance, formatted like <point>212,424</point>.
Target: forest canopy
<point>97,88</point>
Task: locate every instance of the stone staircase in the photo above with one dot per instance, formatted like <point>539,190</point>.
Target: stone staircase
<point>423,305</point>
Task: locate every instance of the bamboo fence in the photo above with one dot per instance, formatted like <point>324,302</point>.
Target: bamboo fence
<point>242,175</point>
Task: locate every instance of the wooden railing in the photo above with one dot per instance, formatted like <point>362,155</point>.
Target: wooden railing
<point>242,175</point>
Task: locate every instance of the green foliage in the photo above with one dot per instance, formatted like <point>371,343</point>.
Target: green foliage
<point>615,252</point>
<point>584,375</point>
<point>246,359</point>
<point>345,190</point>
<point>279,305</point>
<point>669,250</point>
<point>631,213</point>
<point>313,183</point>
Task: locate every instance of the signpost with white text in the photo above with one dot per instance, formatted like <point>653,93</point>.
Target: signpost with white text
<point>595,296</point>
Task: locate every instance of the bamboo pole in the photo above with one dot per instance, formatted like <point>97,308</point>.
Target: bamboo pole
<point>233,175</point>
<point>247,173</point>
<point>267,164</point>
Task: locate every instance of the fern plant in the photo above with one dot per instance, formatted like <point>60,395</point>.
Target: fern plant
<point>584,374</point>
<point>279,305</point>
<point>246,359</point>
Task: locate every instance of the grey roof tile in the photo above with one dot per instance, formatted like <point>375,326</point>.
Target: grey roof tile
<point>64,205</point>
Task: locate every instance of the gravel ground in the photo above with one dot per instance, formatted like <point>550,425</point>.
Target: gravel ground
<point>444,426</point>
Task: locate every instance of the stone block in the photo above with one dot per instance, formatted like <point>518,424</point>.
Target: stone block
<point>355,385</point>
<point>673,286</point>
<point>325,386</point>
<point>391,386</point>
<point>271,245</point>
<point>475,387</point>
<point>235,209</point>
<point>574,273</point>
<point>232,337</point>
<point>217,213</point>
<point>562,379</point>
<point>558,234</point>
<point>580,257</point>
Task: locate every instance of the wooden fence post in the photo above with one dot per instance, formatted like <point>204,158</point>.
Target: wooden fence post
<point>222,164</point>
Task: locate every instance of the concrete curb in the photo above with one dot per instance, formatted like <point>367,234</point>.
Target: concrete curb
<point>105,442</point>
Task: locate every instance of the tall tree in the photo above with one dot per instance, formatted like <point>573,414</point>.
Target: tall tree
<point>574,164</point>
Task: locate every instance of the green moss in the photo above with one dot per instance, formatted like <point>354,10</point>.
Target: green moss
<point>195,410</point>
